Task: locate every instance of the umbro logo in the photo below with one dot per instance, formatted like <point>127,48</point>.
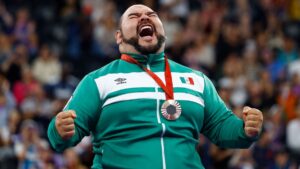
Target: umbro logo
<point>120,80</point>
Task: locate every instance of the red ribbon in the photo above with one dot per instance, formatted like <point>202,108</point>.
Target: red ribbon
<point>168,88</point>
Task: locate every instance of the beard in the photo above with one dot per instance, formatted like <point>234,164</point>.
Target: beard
<point>134,41</point>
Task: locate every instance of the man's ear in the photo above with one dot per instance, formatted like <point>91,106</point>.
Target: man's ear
<point>118,37</point>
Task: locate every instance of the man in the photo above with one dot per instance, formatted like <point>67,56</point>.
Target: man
<point>145,111</point>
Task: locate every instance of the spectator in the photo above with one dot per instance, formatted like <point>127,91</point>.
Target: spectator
<point>171,25</point>
<point>14,65</point>
<point>72,160</point>
<point>25,87</point>
<point>25,30</point>
<point>46,68</point>
<point>7,101</point>
<point>287,99</point>
<point>293,137</point>
<point>6,19</point>
<point>104,27</point>
<point>242,160</point>
<point>5,48</point>
<point>201,53</point>
<point>276,126</point>
<point>282,161</point>
<point>178,8</point>
<point>234,75</point>
<point>26,145</point>
<point>220,156</point>
<point>294,68</point>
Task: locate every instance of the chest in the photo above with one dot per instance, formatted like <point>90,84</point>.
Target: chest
<point>134,100</point>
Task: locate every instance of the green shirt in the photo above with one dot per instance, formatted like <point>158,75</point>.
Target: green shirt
<point>119,105</point>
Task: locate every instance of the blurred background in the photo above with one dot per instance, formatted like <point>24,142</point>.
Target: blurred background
<point>248,48</point>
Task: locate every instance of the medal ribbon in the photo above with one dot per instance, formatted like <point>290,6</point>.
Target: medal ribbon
<point>168,88</point>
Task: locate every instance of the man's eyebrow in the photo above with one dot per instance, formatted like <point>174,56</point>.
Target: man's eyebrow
<point>150,13</point>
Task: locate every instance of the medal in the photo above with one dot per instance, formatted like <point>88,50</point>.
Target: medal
<point>170,109</point>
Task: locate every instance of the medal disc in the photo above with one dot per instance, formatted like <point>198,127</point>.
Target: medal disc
<point>171,110</point>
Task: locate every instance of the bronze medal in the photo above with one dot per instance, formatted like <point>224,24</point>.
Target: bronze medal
<point>171,110</point>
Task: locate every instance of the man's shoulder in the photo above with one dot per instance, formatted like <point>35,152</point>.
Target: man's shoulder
<point>177,67</point>
<point>111,67</point>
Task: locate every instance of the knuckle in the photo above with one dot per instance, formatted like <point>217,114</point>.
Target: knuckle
<point>60,114</point>
<point>250,116</point>
<point>71,111</point>
<point>68,112</point>
<point>69,128</point>
<point>70,121</point>
<point>58,117</point>
<point>258,111</point>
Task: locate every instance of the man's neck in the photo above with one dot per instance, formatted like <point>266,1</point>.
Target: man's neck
<point>125,48</point>
<point>149,58</point>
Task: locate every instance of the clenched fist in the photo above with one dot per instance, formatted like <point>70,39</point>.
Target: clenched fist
<point>253,120</point>
<point>64,124</point>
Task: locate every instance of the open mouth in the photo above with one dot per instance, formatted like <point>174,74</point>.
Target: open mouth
<point>146,30</point>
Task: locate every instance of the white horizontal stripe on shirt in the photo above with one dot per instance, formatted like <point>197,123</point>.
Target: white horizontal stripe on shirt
<point>108,84</point>
<point>153,95</point>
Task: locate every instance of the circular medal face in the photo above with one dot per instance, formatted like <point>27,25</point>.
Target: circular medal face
<point>171,110</point>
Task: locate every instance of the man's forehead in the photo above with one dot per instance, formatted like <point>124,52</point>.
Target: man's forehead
<point>137,9</point>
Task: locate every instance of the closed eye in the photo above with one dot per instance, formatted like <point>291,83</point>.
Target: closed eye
<point>152,14</point>
<point>134,15</point>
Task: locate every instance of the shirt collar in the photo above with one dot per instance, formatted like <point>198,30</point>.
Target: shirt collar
<point>148,59</point>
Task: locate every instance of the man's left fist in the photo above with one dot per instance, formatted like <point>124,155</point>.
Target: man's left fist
<point>253,120</point>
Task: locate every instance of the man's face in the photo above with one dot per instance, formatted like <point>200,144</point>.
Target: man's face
<point>141,28</point>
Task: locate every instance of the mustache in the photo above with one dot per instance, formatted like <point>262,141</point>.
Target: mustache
<point>133,41</point>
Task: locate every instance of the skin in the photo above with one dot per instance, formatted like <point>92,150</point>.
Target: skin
<point>253,120</point>
<point>130,20</point>
<point>129,25</point>
<point>64,124</point>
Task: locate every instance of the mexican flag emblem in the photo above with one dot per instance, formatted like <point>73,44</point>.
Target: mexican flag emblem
<point>187,80</point>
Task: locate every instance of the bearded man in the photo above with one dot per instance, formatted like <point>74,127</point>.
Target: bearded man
<point>146,111</point>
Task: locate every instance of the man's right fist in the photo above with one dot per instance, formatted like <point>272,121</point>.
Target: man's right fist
<point>64,124</point>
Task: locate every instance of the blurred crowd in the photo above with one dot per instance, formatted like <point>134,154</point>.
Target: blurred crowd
<point>248,48</point>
